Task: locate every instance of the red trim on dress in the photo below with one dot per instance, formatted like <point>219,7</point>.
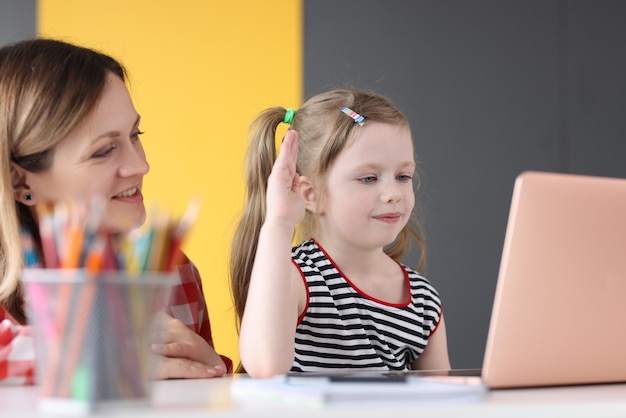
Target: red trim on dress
<point>362,293</point>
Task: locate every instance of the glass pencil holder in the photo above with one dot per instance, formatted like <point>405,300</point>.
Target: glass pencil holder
<point>92,336</point>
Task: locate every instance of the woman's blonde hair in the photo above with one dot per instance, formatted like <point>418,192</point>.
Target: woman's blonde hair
<point>47,87</point>
<point>323,132</point>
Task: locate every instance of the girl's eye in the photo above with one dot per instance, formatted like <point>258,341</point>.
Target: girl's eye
<point>105,152</point>
<point>404,178</point>
<point>368,179</point>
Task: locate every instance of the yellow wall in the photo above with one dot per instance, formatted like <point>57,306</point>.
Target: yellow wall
<point>200,70</point>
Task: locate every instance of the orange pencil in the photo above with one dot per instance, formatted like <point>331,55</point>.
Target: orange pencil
<point>73,237</point>
<point>94,260</point>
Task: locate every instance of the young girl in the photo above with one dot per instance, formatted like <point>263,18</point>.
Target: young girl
<point>340,299</point>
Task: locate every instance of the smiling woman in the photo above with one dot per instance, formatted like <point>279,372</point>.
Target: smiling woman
<point>101,156</point>
<point>69,130</point>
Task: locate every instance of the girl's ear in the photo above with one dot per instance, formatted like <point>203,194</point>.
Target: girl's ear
<point>21,190</point>
<point>308,193</point>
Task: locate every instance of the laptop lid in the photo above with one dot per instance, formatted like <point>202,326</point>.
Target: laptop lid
<point>559,311</point>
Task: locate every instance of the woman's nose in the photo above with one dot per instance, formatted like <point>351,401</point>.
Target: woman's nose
<point>134,162</point>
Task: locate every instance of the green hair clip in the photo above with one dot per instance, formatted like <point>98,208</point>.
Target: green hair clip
<point>289,116</point>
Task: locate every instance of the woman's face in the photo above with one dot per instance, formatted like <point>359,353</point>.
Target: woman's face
<point>103,157</point>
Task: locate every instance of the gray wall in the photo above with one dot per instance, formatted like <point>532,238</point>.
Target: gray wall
<point>491,88</point>
<point>17,20</point>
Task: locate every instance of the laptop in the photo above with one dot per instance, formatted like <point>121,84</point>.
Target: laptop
<point>559,313</point>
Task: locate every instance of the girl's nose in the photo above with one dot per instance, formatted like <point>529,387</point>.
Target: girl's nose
<point>390,194</point>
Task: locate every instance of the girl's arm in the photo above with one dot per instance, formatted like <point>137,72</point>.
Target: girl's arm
<point>435,355</point>
<point>276,293</point>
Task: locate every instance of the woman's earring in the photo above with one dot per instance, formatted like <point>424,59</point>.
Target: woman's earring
<point>28,196</point>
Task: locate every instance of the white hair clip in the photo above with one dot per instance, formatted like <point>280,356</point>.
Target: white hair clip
<point>357,118</point>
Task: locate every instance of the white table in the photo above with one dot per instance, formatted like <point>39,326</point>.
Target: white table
<point>211,398</point>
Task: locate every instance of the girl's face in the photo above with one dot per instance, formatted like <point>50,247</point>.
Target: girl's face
<point>370,193</point>
<point>101,157</point>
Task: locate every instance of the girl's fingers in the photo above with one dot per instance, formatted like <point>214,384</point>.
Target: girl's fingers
<point>289,150</point>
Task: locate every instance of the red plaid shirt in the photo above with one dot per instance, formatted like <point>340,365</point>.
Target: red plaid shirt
<point>187,303</point>
<point>17,352</point>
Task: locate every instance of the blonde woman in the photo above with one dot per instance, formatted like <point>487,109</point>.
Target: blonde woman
<point>68,129</point>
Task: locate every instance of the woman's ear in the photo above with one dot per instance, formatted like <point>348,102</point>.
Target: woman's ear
<point>308,193</point>
<point>21,190</point>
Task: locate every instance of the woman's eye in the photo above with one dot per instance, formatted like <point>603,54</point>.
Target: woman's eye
<point>135,135</point>
<point>404,177</point>
<point>368,179</point>
<point>105,152</point>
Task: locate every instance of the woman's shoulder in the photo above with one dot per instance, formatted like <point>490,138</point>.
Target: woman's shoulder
<point>180,258</point>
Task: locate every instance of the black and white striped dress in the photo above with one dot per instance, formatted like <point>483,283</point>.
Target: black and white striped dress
<point>342,328</point>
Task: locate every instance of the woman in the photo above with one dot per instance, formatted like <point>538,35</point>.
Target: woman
<point>68,129</point>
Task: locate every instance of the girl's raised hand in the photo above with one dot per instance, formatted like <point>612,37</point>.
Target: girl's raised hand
<point>284,202</point>
<point>272,303</point>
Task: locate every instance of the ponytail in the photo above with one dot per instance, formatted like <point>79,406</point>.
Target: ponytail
<point>260,160</point>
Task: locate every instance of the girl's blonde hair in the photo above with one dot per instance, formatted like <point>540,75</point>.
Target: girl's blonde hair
<point>47,87</point>
<point>323,132</point>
